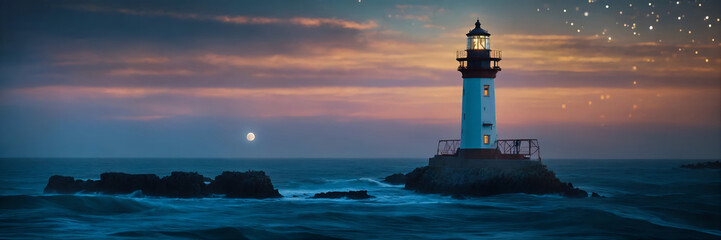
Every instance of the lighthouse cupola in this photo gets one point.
(478, 60)
(478, 65)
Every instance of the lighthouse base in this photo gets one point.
(482, 158)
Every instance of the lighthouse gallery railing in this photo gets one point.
(492, 54)
(527, 148)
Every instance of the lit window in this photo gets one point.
(486, 139)
(485, 90)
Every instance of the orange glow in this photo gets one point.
(437, 105)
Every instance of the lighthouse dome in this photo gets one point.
(478, 31)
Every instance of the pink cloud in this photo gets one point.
(138, 118)
(303, 21)
(140, 72)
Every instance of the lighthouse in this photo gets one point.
(479, 145)
(478, 65)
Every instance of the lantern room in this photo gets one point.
(479, 38)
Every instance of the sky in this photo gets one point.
(354, 79)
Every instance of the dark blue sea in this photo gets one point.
(653, 199)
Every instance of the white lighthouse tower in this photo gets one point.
(479, 146)
(478, 65)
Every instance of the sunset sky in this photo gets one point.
(589, 79)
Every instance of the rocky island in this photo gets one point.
(250, 184)
(486, 181)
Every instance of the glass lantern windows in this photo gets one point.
(479, 43)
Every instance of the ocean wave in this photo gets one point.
(77, 203)
(223, 233)
(379, 183)
(647, 216)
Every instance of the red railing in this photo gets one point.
(448, 147)
(528, 148)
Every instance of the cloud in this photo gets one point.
(427, 105)
(593, 54)
(413, 17)
(138, 118)
(140, 72)
(208, 52)
(302, 21)
(434, 26)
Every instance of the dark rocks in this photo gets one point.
(182, 185)
(704, 165)
(356, 195)
(575, 193)
(63, 184)
(123, 183)
(476, 182)
(396, 179)
(596, 195)
(251, 184)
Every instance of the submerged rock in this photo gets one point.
(476, 182)
(396, 179)
(704, 165)
(596, 195)
(251, 184)
(350, 195)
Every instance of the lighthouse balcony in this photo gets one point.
(480, 61)
(464, 66)
(465, 55)
(505, 149)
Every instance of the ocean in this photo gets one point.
(653, 199)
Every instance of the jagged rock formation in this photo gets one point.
(250, 184)
(704, 165)
(476, 182)
(396, 179)
(356, 195)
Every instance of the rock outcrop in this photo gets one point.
(476, 182)
(356, 195)
(396, 179)
(251, 184)
(703, 165)
(63, 184)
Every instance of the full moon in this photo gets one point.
(250, 136)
